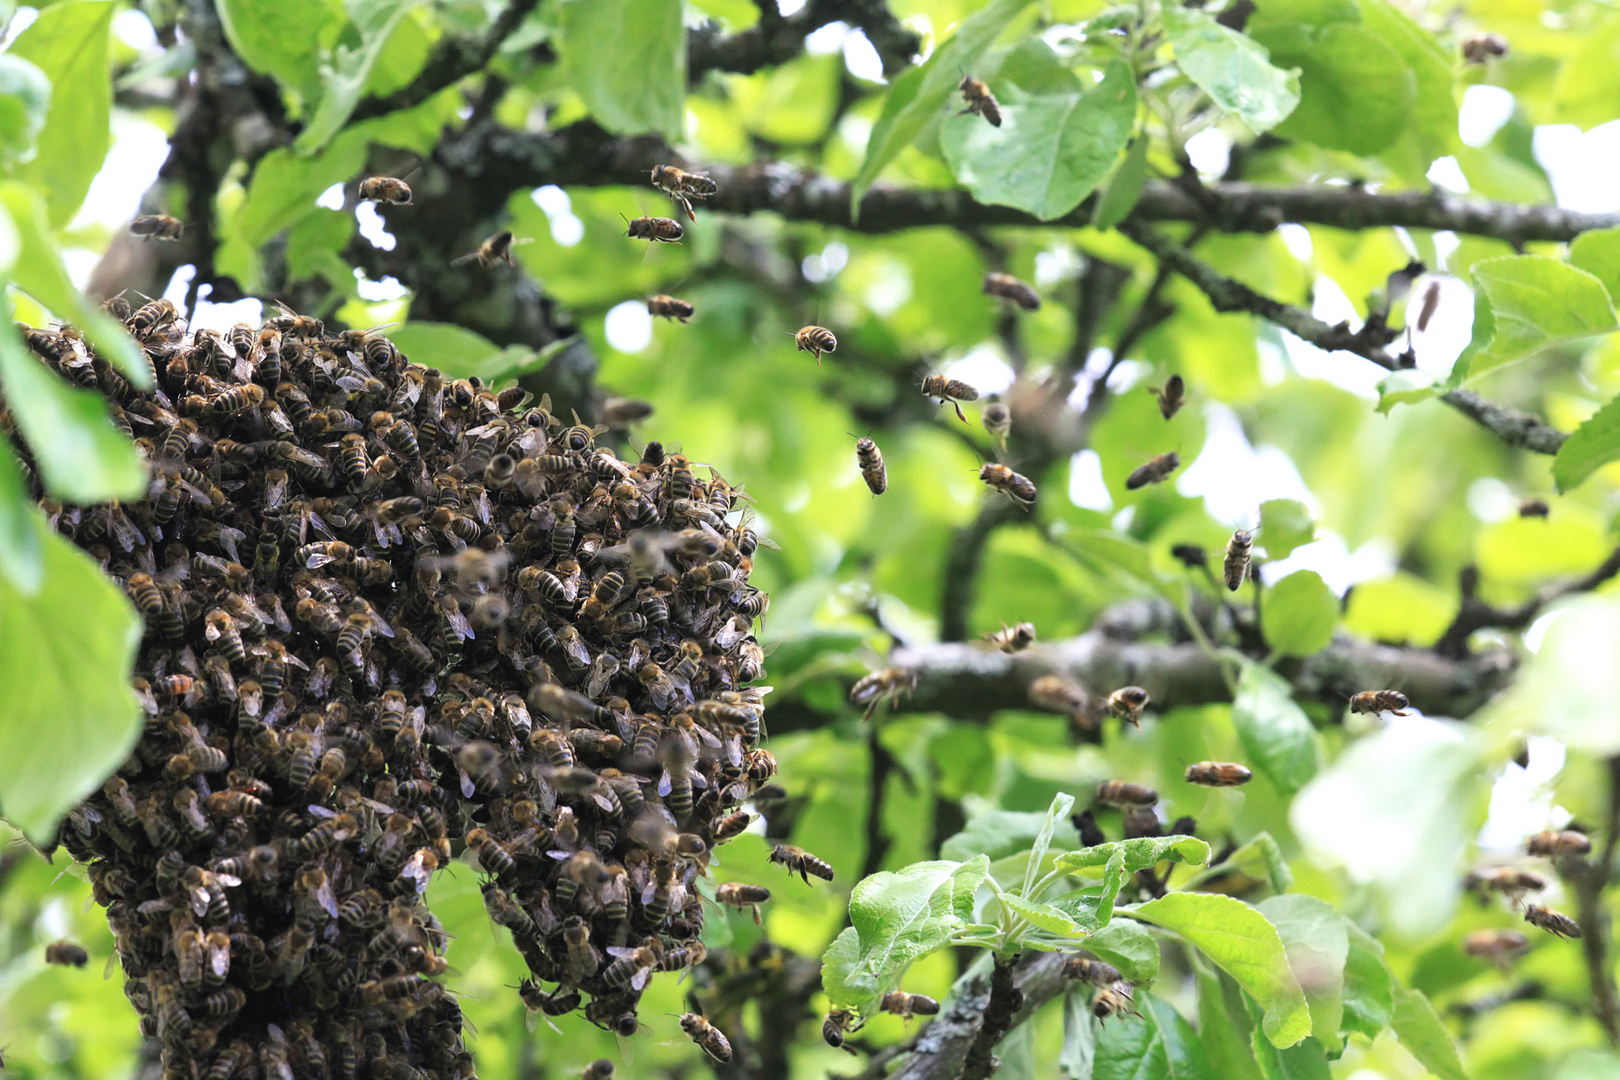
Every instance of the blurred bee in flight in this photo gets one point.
(980, 101)
(497, 249)
(157, 227)
(386, 189)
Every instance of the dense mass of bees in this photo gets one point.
(388, 615)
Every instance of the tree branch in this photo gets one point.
(1589, 881)
(1005, 1001)
(1475, 614)
(1513, 426)
(453, 59)
(776, 40)
(974, 682)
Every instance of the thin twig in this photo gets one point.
(1589, 881)
(453, 59)
(1475, 614)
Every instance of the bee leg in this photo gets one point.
(960, 415)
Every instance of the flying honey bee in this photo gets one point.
(1509, 881)
(1236, 566)
(1016, 486)
(1010, 288)
(1172, 396)
(1011, 639)
(906, 1005)
(737, 894)
(707, 1036)
(980, 101)
(157, 227)
(1154, 471)
(1500, 947)
(815, 340)
(1431, 303)
(870, 459)
(1085, 969)
(659, 230)
(1124, 793)
(496, 249)
(886, 683)
(1538, 508)
(683, 187)
(66, 953)
(801, 862)
(1554, 922)
(669, 307)
(385, 189)
(954, 391)
(1565, 842)
(834, 1025)
(1480, 48)
(1218, 774)
(1058, 694)
(1112, 1000)
(997, 420)
(1378, 701)
(1127, 704)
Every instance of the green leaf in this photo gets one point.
(1232, 69)
(1246, 946)
(68, 717)
(1285, 524)
(1432, 120)
(1421, 1032)
(1276, 734)
(1124, 188)
(1317, 944)
(258, 33)
(1369, 988)
(1224, 1029)
(39, 272)
(68, 42)
(1560, 692)
(1056, 813)
(1079, 1037)
(1300, 614)
(1536, 302)
(1050, 151)
(1042, 916)
(1157, 1044)
(1261, 857)
(21, 554)
(1408, 387)
(25, 99)
(627, 59)
(460, 353)
(1354, 90)
(999, 833)
(342, 86)
(1129, 947)
(917, 96)
(847, 987)
(82, 457)
(905, 914)
(1589, 447)
(1306, 1061)
(1139, 854)
(1396, 810)
(1598, 253)
(285, 186)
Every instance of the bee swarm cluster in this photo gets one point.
(388, 614)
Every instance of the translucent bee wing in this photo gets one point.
(664, 785)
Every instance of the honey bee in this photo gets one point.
(1510, 881)
(1017, 487)
(1500, 947)
(151, 317)
(801, 862)
(890, 683)
(658, 230)
(1534, 508)
(492, 856)
(1431, 304)
(631, 968)
(815, 340)
(707, 1036)
(1218, 774)
(1480, 48)
(1058, 694)
(980, 101)
(1112, 1000)
(1123, 793)
(1154, 471)
(1377, 701)
(621, 412)
(1566, 842)
(870, 459)
(385, 189)
(496, 249)
(1010, 288)
(1554, 922)
(669, 307)
(683, 186)
(1085, 969)
(600, 1069)
(954, 391)
(1172, 396)
(66, 953)
(1236, 566)
(1011, 639)
(1127, 704)
(238, 399)
(740, 895)
(580, 955)
(906, 1005)
(157, 227)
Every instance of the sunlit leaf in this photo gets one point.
(341, 87)
(902, 915)
(68, 717)
(1042, 916)
(1244, 944)
(999, 833)
(1276, 733)
(1129, 947)
(1155, 1043)
(918, 95)
(1050, 151)
(1232, 69)
(1535, 302)
(1285, 524)
(1300, 614)
(1139, 854)
(845, 985)
(1056, 814)
(627, 59)
(1354, 89)
(21, 552)
(1124, 188)
(1560, 692)
(68, 42)
(1369, 988)
(1080, 1031)
(25, 97)
(1598, 253)
(1421, 1032)
(1317, 943)
(1589, 447)
(259, 34)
